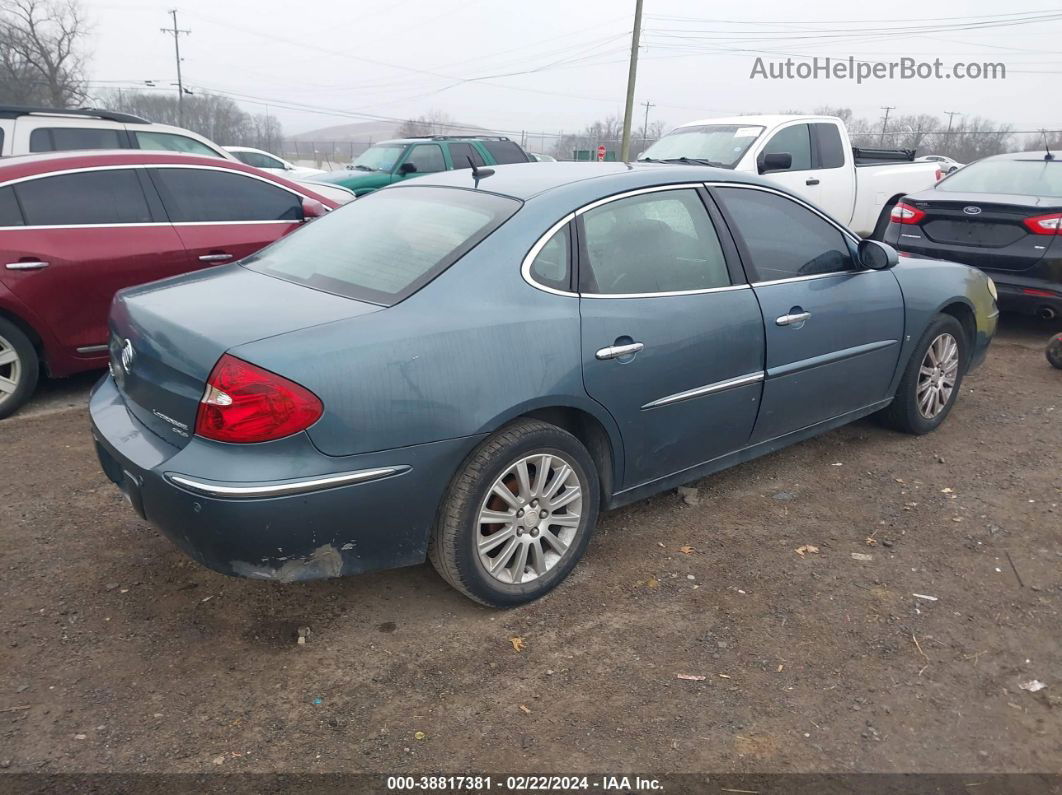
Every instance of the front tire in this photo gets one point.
(517, 516)
(19, 368)
(930, 384)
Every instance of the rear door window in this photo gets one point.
(505, 152)
(169, 142)
(387, 245)
(10, 214)
(200, 194)
(460, 154)
(795, 141)
(108, 197)
(657, 242)
(828, 145)
(62, 139)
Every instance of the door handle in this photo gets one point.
(214, 257)
(811, 181)
(793, 319)
(26, 266)
(616, 351)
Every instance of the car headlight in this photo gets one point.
(992, 288)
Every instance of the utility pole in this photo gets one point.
(645, 129)
(632, 74)
(950, 114)
(176, 32)
(885, 121)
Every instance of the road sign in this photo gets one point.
(601, 153)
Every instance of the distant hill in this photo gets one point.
(363, 132)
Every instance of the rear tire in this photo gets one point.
(19, 368)
(1054, 351)
(931, 382)
(517, 516)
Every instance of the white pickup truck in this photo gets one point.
(811, 156)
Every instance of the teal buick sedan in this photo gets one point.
(467, 367)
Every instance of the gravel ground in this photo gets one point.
(899, 643)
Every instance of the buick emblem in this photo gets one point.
(128, 354)
(972, 210)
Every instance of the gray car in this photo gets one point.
(468, 367)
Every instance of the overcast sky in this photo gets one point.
(402, 58)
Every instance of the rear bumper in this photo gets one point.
(1033, 297)
(354, 514)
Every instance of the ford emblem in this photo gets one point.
(972, 210)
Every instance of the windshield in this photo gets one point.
(379, 158)
(1024, 177)
(721, 143)
(386, 246)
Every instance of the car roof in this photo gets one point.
(428, 139)
(1036, 154)
(527, 180)
(18, 166)
(766, 120)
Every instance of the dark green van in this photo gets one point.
(391, 161)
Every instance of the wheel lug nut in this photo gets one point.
(520, 512)
(544, 514)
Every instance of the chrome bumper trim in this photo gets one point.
(250, 490)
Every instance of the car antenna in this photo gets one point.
(1049, 155)
(479, 173)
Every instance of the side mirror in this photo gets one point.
(877, 256)
(775, 161)
(311, 208)
(407, 168)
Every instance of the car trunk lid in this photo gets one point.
(166, 337)
(989, 227)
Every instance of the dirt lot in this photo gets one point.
(118, 654)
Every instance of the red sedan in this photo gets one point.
(76, 227)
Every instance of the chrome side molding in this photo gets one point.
(707, 389)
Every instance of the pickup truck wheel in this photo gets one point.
(930, 384)
(517, 516)
(18, 368)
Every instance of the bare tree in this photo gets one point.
(41, 60)
(434, 122)
(218, 118)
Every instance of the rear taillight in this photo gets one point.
(244, 403)
(906, 214)
(940, 174)
(1044, 224)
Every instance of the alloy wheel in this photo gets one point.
(937, 375)
(10, 369)
(529, 518)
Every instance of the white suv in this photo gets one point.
(24, 130)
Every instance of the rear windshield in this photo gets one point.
(386, 246)
(1024, 177)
